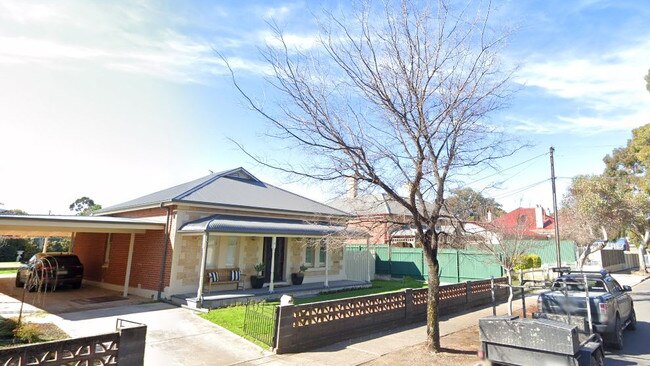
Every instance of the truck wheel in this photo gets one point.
(617, 336)
(632, 325)
(597, 359)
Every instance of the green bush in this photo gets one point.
(7, 327)
(528, 261)
(28, 333)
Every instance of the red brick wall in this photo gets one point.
(90, 248)
(145, 267)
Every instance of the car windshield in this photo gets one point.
(574, 284)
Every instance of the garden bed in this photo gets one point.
(12, 335)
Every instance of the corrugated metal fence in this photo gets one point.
(456, 265)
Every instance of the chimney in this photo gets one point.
(353, 187)
(489, 216)
(539, 217)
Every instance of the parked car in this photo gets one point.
(612, 309)
(51, 270)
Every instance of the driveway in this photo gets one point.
(64, 299)
(175, 336)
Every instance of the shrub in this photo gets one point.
(28, 333)
(7, 327)
(527, 261)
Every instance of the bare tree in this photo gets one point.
(506, 246)
(393, 95)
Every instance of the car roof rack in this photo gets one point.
(567, 270)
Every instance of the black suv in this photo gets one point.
(50, 270)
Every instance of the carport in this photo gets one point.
(69, 226)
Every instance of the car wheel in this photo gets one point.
(632, 325)
(617, 336)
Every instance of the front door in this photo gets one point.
(278, 276)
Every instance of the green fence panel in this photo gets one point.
(382, 264)
(477, 265)
(407, 262)
(546, 249)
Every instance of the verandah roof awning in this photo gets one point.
(265, 226)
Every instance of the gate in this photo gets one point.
(260, 320)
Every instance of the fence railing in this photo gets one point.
(260, 320)
(302, 327)
(125, 347)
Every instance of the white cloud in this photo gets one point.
(607, 90)
(291, 40)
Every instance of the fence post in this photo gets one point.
(494, 306)
(457, 266)
(408, 305)
(468, 288)
(132, 344)
(285, 340)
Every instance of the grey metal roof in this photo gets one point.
(235, 188)
(264, 225)
(369, 204)
(84, 219)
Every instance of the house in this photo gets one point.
(164, 243)
(530, 223)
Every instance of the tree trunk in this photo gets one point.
(642, 247)
(511, 294)
(433, 325)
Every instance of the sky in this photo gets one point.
(114, 100)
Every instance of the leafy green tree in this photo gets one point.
(630, 165)
(9, 248)
(467, 204)
(647, 80)
(84, 206)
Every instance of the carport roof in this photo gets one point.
(265, 226)
(63, 225)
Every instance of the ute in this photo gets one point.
(610, 306)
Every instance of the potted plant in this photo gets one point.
(296, 278)
(257, 280)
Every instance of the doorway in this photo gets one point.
(280, 249)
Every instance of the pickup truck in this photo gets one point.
(612, 309)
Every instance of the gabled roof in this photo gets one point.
(526, 216)
(235, 188)
(370, 204)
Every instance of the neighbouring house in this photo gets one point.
(163, 243)
(384, 219)
(530, 223)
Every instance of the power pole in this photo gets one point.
(557, 223)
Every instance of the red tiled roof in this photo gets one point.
(526, 216)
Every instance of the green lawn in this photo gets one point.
(232, 318)
(7, 271)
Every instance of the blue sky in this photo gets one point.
(117, 99)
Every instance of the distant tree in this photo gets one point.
(647, 80)
(467, 204)
(9, 248)
(630, 165)
(84, 206)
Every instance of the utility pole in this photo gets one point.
(557, 223)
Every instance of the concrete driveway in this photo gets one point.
(64, 299)
(175, 336)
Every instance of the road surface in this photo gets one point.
(636, 350)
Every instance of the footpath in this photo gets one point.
(364, 349)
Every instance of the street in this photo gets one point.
(635, 349)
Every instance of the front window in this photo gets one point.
(211, 260)
(231, 251)
(315, 254)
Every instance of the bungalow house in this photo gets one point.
(168, 242)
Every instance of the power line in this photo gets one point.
(508, 168)
(521, 189)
